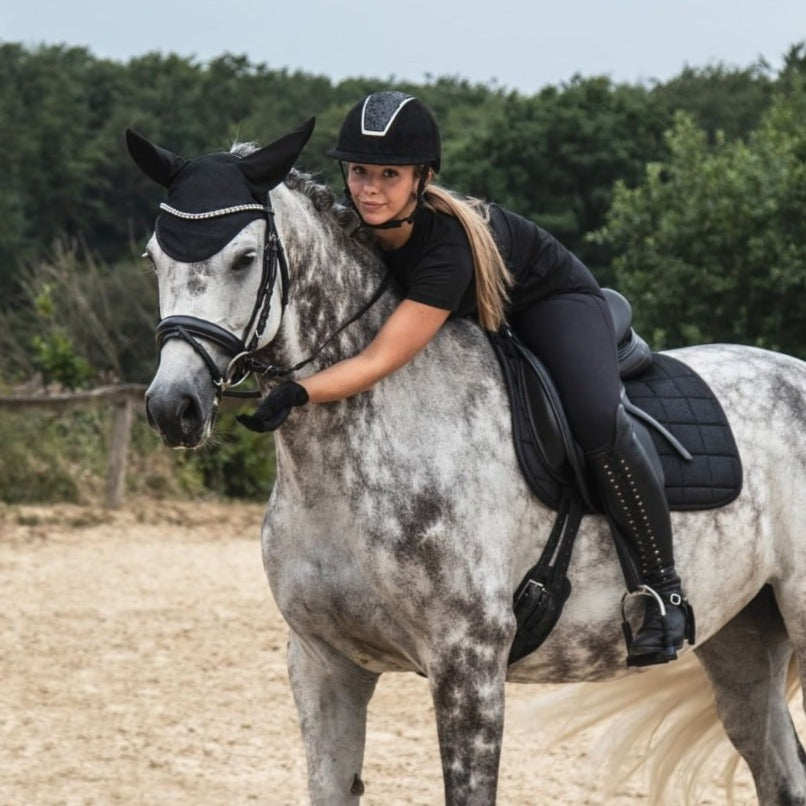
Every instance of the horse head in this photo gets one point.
(221, 275)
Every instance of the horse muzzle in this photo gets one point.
(182, 415)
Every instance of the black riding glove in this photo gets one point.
(274, 410)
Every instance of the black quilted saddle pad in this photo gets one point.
(679, 398)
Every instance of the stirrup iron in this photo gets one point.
(669, 651)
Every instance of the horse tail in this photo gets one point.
(662, 723)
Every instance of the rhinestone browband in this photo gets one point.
(238, 208)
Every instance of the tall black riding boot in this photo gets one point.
(635, 503)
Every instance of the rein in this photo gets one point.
(279, 372)
(243, 361)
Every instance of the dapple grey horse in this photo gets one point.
(400, 524)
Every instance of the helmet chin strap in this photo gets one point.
(393, 223)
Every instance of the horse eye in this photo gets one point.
(147, 256)
(244, 261)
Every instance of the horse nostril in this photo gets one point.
(180, 413)
(178, 419)
(188, 413)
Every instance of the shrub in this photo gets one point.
(51, 458)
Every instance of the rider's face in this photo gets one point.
(383, 192)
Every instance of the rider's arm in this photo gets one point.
(407, 331)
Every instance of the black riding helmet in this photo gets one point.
(389, 128)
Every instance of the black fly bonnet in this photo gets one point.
(210, 200)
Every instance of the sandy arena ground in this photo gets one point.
(142, 661)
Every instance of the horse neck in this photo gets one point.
(331, 277)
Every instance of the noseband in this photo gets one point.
(243, 361)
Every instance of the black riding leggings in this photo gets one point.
(572, 334)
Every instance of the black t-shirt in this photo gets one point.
(435, 265)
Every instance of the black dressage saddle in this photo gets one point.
(678, 419)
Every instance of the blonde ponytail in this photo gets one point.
(493, 278)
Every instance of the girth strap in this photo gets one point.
(541, 595)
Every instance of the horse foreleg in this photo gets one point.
(468, 694)
(747, 662)
(331, 694)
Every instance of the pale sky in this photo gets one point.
(517, 44)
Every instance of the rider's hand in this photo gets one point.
(274, 410)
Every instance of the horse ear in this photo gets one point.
(268, 166)
(154, 161)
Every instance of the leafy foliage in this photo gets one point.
(719, 99)
(554, 158)
(80, 322)
(712, 244)
(688, 195)
(56, 358)
(49, 458)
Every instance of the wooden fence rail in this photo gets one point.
(124, 397)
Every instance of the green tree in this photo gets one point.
(554, 157)
(712, 244)
(721, 99)
(59, 177)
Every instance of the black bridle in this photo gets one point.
(242, 353)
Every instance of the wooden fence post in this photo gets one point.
(118, 452)
(122, 396)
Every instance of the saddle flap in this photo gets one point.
(544, 418)
(549, 457)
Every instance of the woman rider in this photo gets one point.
(451, 260)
